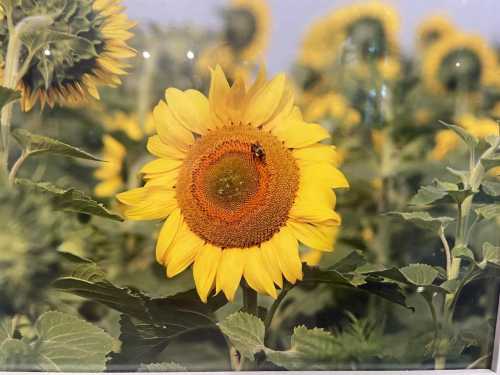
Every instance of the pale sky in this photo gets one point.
(291, 18)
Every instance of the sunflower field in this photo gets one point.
(169, 205)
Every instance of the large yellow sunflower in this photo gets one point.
(68, 70)
(433, 29)
(247, 28)
(241, 179)
(459, 62)
(369, 30)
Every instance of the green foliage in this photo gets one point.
(419, 274)
(246, 333)
(63, 343)
(68, 199)
(425, 220)
(7, 96)
(39, 144)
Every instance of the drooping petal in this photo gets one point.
(184, 251)
(256, 273)
(323, 172)
(158, 204)
(205, 269)
(162, 150)
(161, 166)
(319, 236)
(167, 234)
(270, 256)
(287, 252)
(230, 272)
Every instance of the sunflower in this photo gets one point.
(447, 140)
(68, 70)
(459, 62)
(247, 27)
(433, 29)
(332, 105)
(224, 56)
(241, 179)
(112, 171)
(129, 124)
(369, 30)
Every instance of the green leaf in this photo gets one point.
(7, 96)
(491, 188)
(425, 220)
(490, 162)
(489, 211)
(69, 199)
(38, 144)
(6, 329)
(491, 254)
(246, 333)
(462, 251)
(162, 367)
(67, 343)
(420, 274)
(427, 195)
(17, 355)
(468, 138)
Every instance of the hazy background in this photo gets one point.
(290, 18)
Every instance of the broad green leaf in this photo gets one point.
(67, 343)
(491, 162)
(463, 175)
(468, 138)
(427, 195)
(6, 329)
(425, 220)
(246, 333)
(491, 254)
(69, 199)
(461, 251)
(38, 144)
(7, 96)
(491, 188)
(420, 274)
(451, 285)
(162, 367)
(17, 355)
(489, 211)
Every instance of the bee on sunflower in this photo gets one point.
(247, 27)
(241, 179)
(459, 63)
(432, 29)
(83, 47)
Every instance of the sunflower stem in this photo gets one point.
(11, 72)
(250, 305)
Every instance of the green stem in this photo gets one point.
(15, 168)
(145, 85)
(272, 310)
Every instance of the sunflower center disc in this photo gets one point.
(236, 186)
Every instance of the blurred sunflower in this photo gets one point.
(112, 172)
(332, 105)
(369, 31)
(459, 62)
(224, 56)
(433, 29)
(447, 140)
(129, 124)
(241, 179)
(247, 27)
(86, 47)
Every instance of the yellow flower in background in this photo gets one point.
(224, 56)
(129, 124)
(389, 68)
(459, 62)
(69, 70)
(241, 179)
(332, 105)
(433, 29)
(248, 24)
(369, 30)
(112, 170)
(447, 141)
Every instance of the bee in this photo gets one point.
(258, 152)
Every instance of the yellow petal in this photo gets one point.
(230, 272)
(297, 133)
(133, 196)
(256, 273)
(261, 107)
(310, 212)
(270, 256)
(311, 257)
(167, 234)
(217, 97)
(160, 166)
(170, 130)
(316, 153)
(108, 187)
(158, 204)
(113, 147)
(167, 180)
(190, 108)
(287, 252)
(318, 236)
(205, 269)
(162, 150)
(184, 250)
(323, 172)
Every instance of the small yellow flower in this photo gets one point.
(447, 141)
(247, 28)
(57, 75)
(241, 179)
(459, 62)
(111, 172)
(129, 124)
(433, 29)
